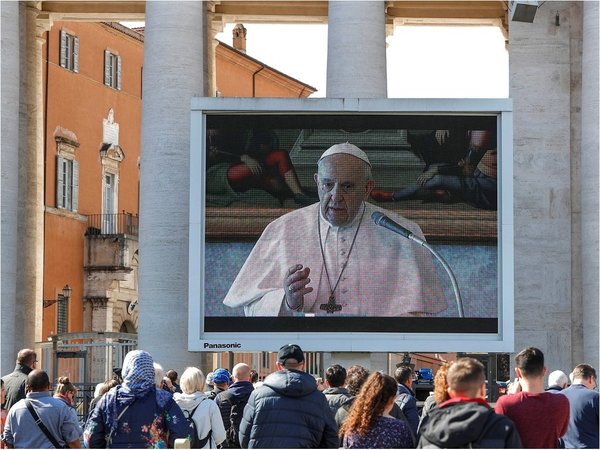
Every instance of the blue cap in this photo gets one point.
(221, 376)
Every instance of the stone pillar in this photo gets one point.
(10, 181)
(30, 243)
(356, 67)
(590, 187)
(174, 62)
(356, 58)
(540, 63)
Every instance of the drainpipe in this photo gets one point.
(254, 80)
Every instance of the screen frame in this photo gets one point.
(501, 341)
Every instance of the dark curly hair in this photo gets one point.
(355, 378)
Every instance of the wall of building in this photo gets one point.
(545, 74)
(78, 103)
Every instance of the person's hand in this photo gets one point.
(252, 164)
(441, 136)
(295, 285)
(426, 176)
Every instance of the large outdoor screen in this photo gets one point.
(269, 222)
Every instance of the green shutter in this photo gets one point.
(118, 73)
(75, 54)
(75, 185)
(63, 49)
(107, 67)
(59, 182)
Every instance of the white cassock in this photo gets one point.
(386, 274)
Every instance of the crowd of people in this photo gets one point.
(142, 407)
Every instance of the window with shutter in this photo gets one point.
(69, 51)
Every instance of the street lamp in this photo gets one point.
(67, 291)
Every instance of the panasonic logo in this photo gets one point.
(230, 345)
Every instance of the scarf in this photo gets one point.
(138, 381)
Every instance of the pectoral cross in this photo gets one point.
(331, 306)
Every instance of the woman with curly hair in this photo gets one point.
(440, 390)
(369, 424)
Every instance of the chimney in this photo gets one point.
(239, 38)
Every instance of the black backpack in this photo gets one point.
(235, 416)
(195, 441)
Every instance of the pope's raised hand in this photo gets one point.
(295, 285)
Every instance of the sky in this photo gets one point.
(423, 61)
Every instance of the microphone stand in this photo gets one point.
(443, 262)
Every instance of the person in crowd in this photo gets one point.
(209, 383)
(170, 381)
(557, 381)
(288, 411)
(220, 379)
(66, 391)
(355, 378)
(466, 420)
(3, 416)
(582, 431)
(369, 424)
(347, 265)
(541, 418)
(159, 375)
(14, 383)
(406, 399)
(99, 393)
(320, 384)
(58, 423)
(135, 414)
(336, 393)
(440, 391)
(232, 402)
(195, 404)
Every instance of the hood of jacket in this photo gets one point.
(188, 402)
(240, 390)
(291, 383)
(456, 424)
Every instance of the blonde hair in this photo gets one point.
(64, 386)
(192, 380)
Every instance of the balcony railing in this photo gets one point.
(120, 223)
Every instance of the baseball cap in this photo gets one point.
(290, 351)
(221, 376)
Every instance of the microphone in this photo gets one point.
(384, 221)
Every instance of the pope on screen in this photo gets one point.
(331, 259)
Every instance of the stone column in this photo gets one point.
(174, 62)
(356, 67)
(30, 241)
(540, 63)
(356, 58)
(590, 187)
(10, 181)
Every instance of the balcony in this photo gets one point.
(113, 224)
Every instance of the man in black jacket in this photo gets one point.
(336, 393)
(288, 411)
(232, 402)
(466, 420)
(14, 383)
